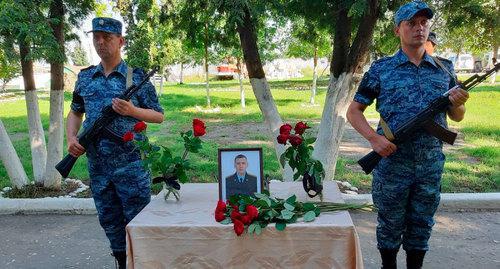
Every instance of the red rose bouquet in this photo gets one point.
(255, 213)
(298, 156)
(169, 170)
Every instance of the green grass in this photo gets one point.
(472, 168)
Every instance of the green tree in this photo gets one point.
(39, 29)
(470, 25)
(352, 23)
(202, 25)
(9, 62)
(309, 40)
(151, 37)
(79, 56)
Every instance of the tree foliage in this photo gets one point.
(79, 56)
(306, 37)
(470, 25)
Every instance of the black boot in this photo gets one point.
(121, 259)
(414, 258)
(389, 258)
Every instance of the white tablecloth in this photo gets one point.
(184, 234)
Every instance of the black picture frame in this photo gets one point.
(227, 172)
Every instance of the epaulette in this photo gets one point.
(87, 68)
(442, 59)
(139, 71)
(384, 59)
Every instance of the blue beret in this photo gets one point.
(432, 38)
(408, 10)
(109, 25)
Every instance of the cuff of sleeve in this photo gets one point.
(77, 108)
(158, 108)
(362, 99)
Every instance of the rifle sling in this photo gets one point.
(440, 64)
(387, 131)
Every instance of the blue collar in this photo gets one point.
(121, 68)
(401, 58)
(240, 178)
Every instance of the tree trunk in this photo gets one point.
(56, 128)
(162, 73)
(181, 76)
(346, 63)
(339, 94)
(206, 64)
(240, 78)
(493, 77)
(315, 75)
(10, 160)
(260, 86)
(37, 137)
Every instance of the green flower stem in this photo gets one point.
(185, 154)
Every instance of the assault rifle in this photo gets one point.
(91, 134)
(425, 120)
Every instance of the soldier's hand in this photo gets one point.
(382, 145)
(458, 97)
(123, 107)
(74, 148)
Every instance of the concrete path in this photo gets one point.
(460, 240)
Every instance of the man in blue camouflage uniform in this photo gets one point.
(406, 182)
(120, 185)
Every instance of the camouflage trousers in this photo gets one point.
(406, 190)
(120, 188)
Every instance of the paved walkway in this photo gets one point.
(460, 240)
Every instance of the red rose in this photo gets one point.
(295, 140)
(221, 207)
(282, 138)
(198, 127)
(220, 216)
(128, 136)
(246, 219)
(198, 130)
(235, 215)
(140, 126)
(252, 211)
(301, 127)
(198, 122)
(285, 129)
(239, 227)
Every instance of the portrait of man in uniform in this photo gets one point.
(240, 172)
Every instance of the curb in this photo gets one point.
(49, 205)
(449, 201)
(86, 206)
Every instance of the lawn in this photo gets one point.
(472, 167)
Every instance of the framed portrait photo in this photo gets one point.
(240, 172)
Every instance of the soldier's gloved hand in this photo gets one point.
(123, 107)
(382, 145)
(458, 97)
(74, 148)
